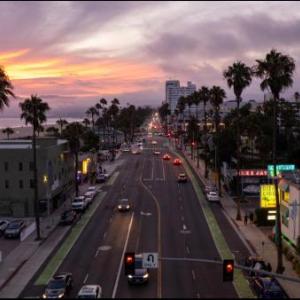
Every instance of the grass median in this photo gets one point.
(67, 245)
(240, 283)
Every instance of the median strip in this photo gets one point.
(113, 178)
(240, 283)
(63, 251)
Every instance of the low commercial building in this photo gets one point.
(55, 165)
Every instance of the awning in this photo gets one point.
(283, 185)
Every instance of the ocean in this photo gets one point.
(17, 122)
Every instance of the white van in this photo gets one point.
(90, 291)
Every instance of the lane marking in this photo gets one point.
(198, 295)
(86, 278)
(152, 174)
(193, 275)
(182, 218)
(181, 207)
(163, 167)
(184, 227)
(121, 261)
(104, 235)
(187, 249)
(97, 252)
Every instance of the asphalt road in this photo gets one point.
(166, 217)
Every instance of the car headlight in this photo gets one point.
(146, 275)
(119, 206)
(44, 296)
(129, 276)
(127, 206)
(60, 295)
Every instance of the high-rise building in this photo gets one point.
(174, 91)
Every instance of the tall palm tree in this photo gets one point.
(297, 96)
(204, 94)
(238, 77)
(181, 104)
(93, 112)
(73, 132)
(276, 71)
(8, 131)
(61, 123)
(217, 96)
(34, 113)
(103, 103)
(6, 88)
(196, 96)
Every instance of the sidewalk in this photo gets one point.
(251, 234)
(19, 266)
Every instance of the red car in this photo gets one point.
(177, 162)
(166, 157)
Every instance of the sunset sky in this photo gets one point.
(74, 53)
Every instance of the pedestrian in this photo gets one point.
(251, 216)
(245, 219)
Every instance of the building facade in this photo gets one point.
(55, 165)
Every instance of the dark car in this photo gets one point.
(14, 229)
(59, 286)
(67, 217)
(100, 178)
(257, 263)
(141, 275)
(177, 162)
(268, 288)
(182, 177)
(124, 205)
(3, 225)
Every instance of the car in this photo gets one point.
(3, 225)
(212, 196)
(59, 286)
(126, 150)
(267, 287)
(257, 263)
(176, 162)
(154, 142)
(141, 275)
(92, 189)
(67, 217)
(100, 178)
(90, 291)
(156, 152)
(210, 188)
(124, 205)
(14, 229)
(90, 194)
(79, 203)
(166, 157)
(136, 151)
(182, 177)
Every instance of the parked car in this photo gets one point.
(93, 189)
(59, 286)
(210, 188)
(124, 205)
(90, 194)
(67, 217)
(267, 288)
(213, 196)
(126, 150)
(14, 229)
(3, 225)
(100, 178)
(182, 177)
(177, 162)
(90, 291)
(79, 203)
(257, 263)
(141, 275)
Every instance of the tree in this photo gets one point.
(52, 131)
(73, 132)
(93, 112)
(86, 122)
(217, 96)
(8, 131)
(34, 113)
(238, 77)
(276, 71)
(61, 123)
(6, 88)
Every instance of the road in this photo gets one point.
(166, 218)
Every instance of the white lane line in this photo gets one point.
(187, 249)
(193, 275)
(198, 295)
(152, 174)
(104, 235)
(181, 207)
(85, 278)
(182, 218)
(121, 261)
(184, 227)
(97, 252)
(163, 167)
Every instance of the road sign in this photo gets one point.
(150, 260)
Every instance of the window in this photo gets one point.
(21, 184)
(6, 184)
(31, 183)
(6, 166)
(20, 166)
(31, 166)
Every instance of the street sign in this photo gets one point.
(150, 260)
(280, 168)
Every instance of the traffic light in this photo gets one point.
(228, 269)
(129, 260)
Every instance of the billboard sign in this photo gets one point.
(255, 172)
(280, 168)
(267, 196)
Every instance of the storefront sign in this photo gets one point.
(279, 169)
(255, 172)
(267, 196)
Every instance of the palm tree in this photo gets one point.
(52, 131)
(34, 113)
(181, 104)
(5, 89)
(8, 131)
(86, 122)
(217, 96)
(238, 76)
(61, 123)
(276, 71)
(204, 95)
(103, 103)
(92, 111)
(297, 96)
(73, 132)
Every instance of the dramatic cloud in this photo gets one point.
(73, 53)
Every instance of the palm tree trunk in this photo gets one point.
(280, 268)
(76, 170)
(35, 179)
(205, 136)
(238, 184)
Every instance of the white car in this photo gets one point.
(90, 194)
(90, 291)
(3, 225)
(212, 196)
(79, 203)
(125, 150)
(93, 188)
(154, 142)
